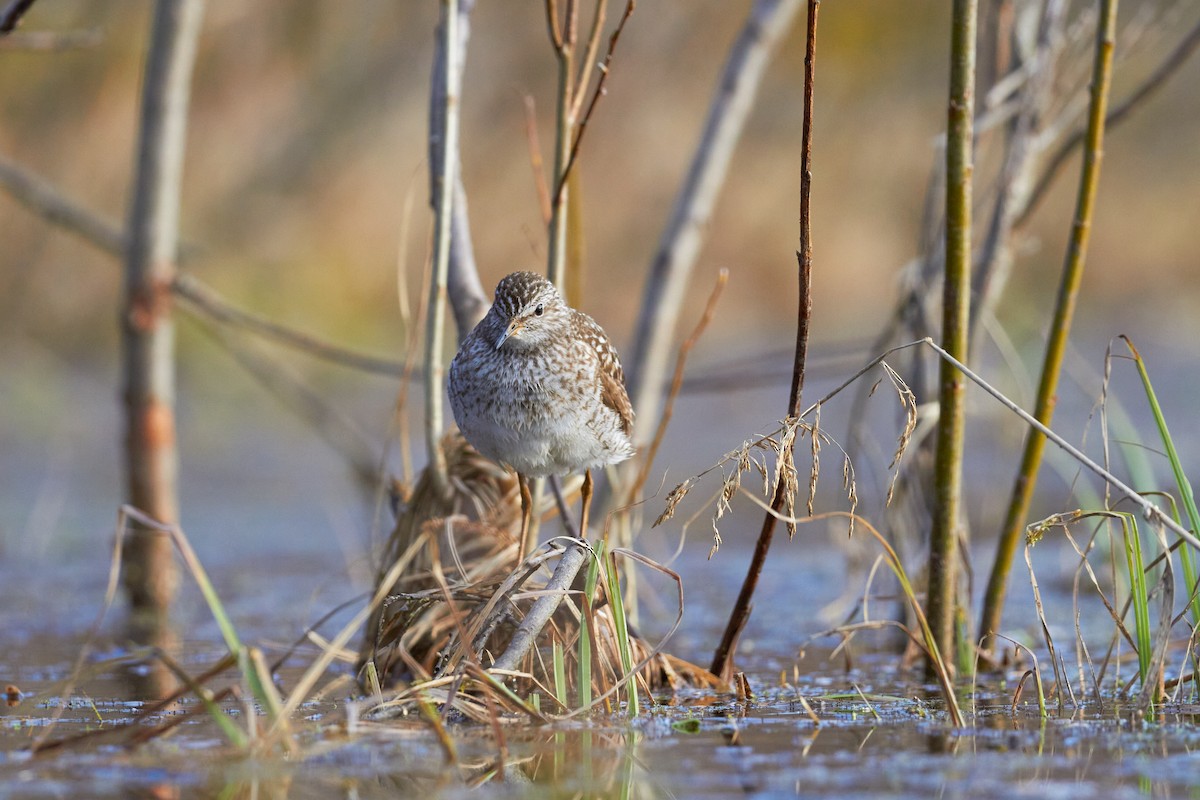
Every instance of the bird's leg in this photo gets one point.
(585, 495)
(526, 513)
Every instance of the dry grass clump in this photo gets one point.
(455, 608)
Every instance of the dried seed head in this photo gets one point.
(909, 401)
(676, 494)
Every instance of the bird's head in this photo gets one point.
(528, 310)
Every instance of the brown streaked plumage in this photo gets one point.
(538, 386)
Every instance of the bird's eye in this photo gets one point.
(537, 312)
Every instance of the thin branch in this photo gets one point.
(50, 41)
(535, 159)
(556, 37)
(589, 55)
(206, 302)
(331, 425)
(1169, 66)
(569, 564)
(722, 664)
(1150, 510)
(564, 40)
(43, 199)
(599, 92)
(46, 201)
(685, 349)
(446, 174)
(463, 288)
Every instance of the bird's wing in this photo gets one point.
(609, 372)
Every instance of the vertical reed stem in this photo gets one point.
(445, 183)
(148, 332)
(564, 47)
(723, 657)
(1060, 329)
(947, 518)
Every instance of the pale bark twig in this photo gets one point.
(50, 41)
(147, 327)
(685, 350)
(43, 199)
(206, 302)
(671, 270)
(563, 36)
(569, 564)
(1148, 88)
(444, 173)
(56, 208)
(331, 425)
(465, 292)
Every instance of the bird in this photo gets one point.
(538, 386)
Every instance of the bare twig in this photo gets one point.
(207, 302)
(463, 288)
(1169, 66)
(563, 36)
(569, 564)
(445, 173)
(670, 273)
(722, 664)
(535, 159)
(585, 63)
(43, 199)
(46, 201)
(600, 91)
(1029, 102)
(331, 425)
(50, 41)
(1150, 510)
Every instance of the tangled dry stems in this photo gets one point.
(456, 607)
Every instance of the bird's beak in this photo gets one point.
(513, 329)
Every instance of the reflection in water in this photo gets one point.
(150, 680)
(591, 762)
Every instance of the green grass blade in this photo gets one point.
(1186, 556)
(560, 675)
(236, 736)
(228, 632)
(1138, 592)
(585, 630)
(617, 605)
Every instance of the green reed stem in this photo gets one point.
(617, 605)
(1138, 593)
(586, 627)
(1064, 312)
(560, 675)
(947, 514)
